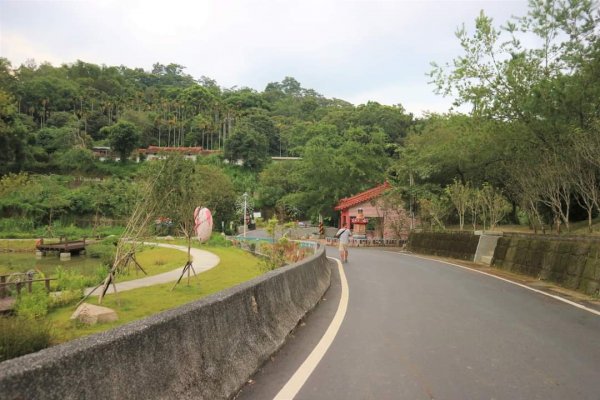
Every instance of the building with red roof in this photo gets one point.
(156, 152)
(385, 218)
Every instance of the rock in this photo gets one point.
(169, 238)
(90, 314)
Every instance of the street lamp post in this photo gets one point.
(245, 195)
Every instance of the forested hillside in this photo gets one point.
(528, 152)
(52, 116)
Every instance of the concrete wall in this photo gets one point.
(203, 350)
(572, 263)
(486, 248)
(445, 244)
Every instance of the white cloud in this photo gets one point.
(19, 48)
(354, 50)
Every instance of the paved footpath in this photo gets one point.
(202, 261)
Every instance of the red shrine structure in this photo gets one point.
(371, 217)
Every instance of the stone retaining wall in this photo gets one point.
(203, 350)
(574, 264)
(445, 244)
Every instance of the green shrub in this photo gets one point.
(21, 228)
(104, 250)
(104, 231)
(274, 256)
(218, 240)
(69, 279)
(281, 253)
(20, 336)
(65, 297)
(100, 274)
(16, 225)
(71, 232)
(32, 305)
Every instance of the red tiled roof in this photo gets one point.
(362, 197)
(184, 150)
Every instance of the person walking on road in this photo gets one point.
(344, 235)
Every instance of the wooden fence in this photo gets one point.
(20, 281)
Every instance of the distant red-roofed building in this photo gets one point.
(387, 216)
(192, 153)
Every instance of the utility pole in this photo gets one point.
(411, 182)
(245, 195)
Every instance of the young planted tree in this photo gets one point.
(495, 204)
(392, 210)
(143, 212)
(474, 206)
(585, 183)
(178, 191)
(555, 185)
(435, 210)
(459, 194)
(530, 204)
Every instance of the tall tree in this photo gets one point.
(123, 138)
(14, 152)
(249, 146)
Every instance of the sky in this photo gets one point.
(358, 51)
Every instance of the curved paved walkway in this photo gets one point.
(202, 261)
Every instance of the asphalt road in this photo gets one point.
(421, 329)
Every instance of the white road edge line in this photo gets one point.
(572, 303)
(293, 386)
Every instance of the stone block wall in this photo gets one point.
(571, 263)
(203, 350)
(445, 244)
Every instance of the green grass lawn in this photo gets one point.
(236, 266)
(18, 245)
(154, 260)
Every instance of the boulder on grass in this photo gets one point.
(91, 314)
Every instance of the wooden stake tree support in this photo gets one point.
(187, 227)
(119, 267)
(137, 225)
(187, 268)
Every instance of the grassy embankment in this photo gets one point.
(236, 266)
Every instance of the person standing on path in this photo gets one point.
(344, 236)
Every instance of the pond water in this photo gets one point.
(23, 262)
